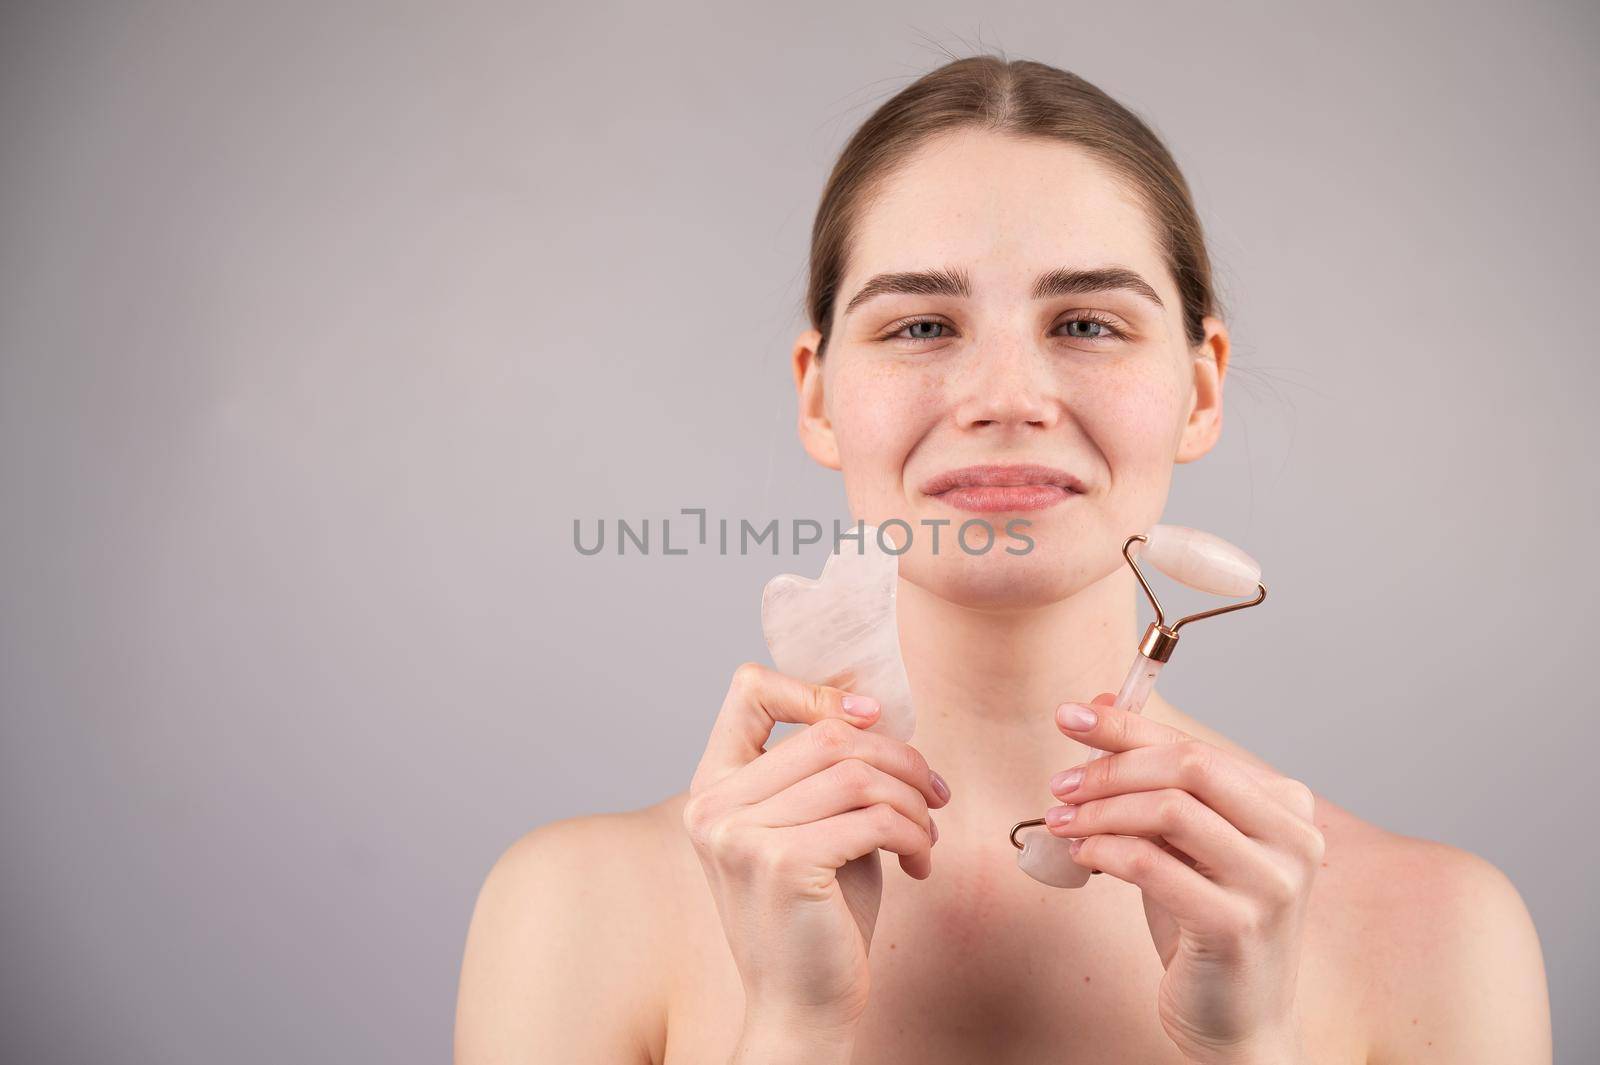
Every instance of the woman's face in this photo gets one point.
(997, 356)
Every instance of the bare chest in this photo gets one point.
(984, 965)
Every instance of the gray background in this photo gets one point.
(322, 323)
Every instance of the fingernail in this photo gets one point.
(940, 786)
(860, 705)
(933, 828)
(1059, 815)
(1066, 780)
(1075, 716)
(1073, 846)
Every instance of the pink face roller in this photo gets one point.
(1191, 557)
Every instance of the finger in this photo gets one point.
(1190, 897)
(848, 785)
(758, 698)
(1221, 852)
(1295, 795)
(1175, 852)
(1111, 728)
(816, 748)
(1296, 798)
(838, 839)
(1226, 784)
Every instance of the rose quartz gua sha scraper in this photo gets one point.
(840, 629)
(1190, 557)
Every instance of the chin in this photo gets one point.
(1000, 581)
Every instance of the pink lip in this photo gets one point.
(993, 488)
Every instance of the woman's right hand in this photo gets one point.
(789, 839)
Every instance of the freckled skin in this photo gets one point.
(1003, 381)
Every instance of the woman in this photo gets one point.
(1012, 316)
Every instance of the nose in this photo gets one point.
(1006, 385)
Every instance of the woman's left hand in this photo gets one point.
(1224, 853)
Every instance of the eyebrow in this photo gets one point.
(1049, 285)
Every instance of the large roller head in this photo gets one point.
(1198, 559)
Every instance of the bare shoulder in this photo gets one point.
(571, 915)
(1444, 948)
(1432, 945)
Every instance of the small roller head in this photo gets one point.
(1048, 859)
(1198, 559)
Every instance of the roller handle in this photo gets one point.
(1136, 688)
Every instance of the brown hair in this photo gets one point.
(1023, 98)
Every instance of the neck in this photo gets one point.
(986, 685)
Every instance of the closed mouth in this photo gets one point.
(1002, 476)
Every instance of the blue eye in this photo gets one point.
(913, 325)
(1107, 329)
(921, 329)
(1087, 322)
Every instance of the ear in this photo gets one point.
(1200, 432)
(816, 431)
